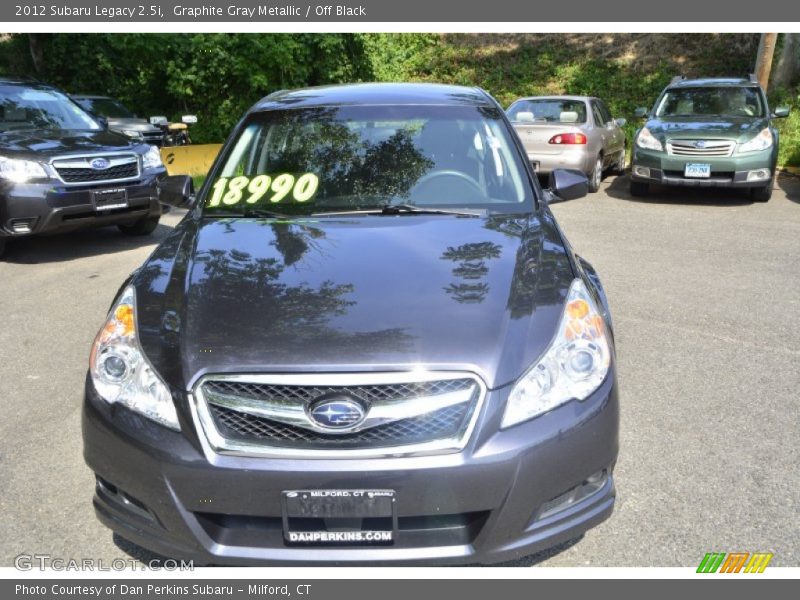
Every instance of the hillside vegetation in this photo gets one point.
(218, 76)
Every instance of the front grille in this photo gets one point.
(269, 412)
(155, 139)
(700, 148)
(438, 424)
(88, 175)
(370, 394)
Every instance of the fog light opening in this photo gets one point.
(758, 175)
(22, 226)
(641, 171)
(591, 485)
(112, 493)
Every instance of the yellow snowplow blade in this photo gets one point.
(194, 159)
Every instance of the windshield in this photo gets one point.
(329, 159)
(711, 101)
(548, 110)
(31, 108)
(105, 107)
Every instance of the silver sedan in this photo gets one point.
(572, 132)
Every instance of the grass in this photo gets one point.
(789, 128)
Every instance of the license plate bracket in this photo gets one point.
(339, 517)
(110, 199)
(697, 170)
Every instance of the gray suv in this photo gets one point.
(61, 169)
(367, 342)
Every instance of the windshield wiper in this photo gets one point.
(393, 209)
(396, 209)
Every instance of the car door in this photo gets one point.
(614, 139)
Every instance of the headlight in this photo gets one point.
(648, 141)
(120, 371)
(761, 142)
(20, 171)
(132, 133)
(152, 158)
(573, 366)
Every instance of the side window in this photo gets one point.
(604, 111)
(599, 121)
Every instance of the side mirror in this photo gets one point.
(640, 113)
(781, 112)
(621, 122)
(101, 120)
(189, 119)
(567, 184)
(176, 190)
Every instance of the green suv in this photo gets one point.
(710, 133)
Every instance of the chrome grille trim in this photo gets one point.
(711, 148)
(216, 444)
(83, 161)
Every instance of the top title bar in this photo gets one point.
(450, 11)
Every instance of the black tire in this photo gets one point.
(596, 176)
(144, 226)
(639, 188)
(761, 194)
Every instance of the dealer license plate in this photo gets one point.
(110, 199)
(697, 170)
(339, 517)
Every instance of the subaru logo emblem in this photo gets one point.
(99, 163)
(700, 144)
(336, 412)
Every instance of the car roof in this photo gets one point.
(714, 82)
(557, 97)
(375, 94)
(90, 97)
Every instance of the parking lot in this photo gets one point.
(705, 291)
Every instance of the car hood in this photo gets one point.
(367, 293)
(737, 128)
(46, 143)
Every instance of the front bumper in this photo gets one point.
(49, 207)
(729, 172)
(482, 505)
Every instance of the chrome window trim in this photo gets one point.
(215, 444)
(82, 162)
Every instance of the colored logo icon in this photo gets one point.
(734, 562)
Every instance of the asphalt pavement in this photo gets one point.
(705, 292)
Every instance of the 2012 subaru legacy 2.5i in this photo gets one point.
(368, 341)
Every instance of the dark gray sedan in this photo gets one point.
(367, 342)
(120, 119)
